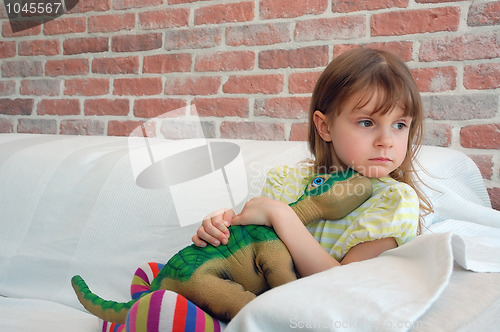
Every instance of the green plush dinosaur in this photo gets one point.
(221, 280)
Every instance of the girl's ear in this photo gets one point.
(322, 126)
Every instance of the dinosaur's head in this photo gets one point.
(321, 183)
(332, 196)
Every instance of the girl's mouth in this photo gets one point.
(380, 159)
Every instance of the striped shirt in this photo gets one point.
(391, 211)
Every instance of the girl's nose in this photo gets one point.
(384, 139)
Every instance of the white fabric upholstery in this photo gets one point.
(72, 205)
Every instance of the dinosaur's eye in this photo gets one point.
(316, 182)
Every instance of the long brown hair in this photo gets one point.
(361, 72)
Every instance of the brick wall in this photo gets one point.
(249, 67)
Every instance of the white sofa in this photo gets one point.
(99, 207)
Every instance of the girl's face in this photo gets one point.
(372, 144)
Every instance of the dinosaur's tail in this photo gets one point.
(110, 311)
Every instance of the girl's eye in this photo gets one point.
(399, 125)
(316, 182)
(365, 123)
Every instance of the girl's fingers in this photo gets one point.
(202, 235)
(227, 218)
(214, 228)
(198, 242)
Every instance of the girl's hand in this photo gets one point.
(213, 228)
(260, 211)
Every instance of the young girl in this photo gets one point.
(365, 114)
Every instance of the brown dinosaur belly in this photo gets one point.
(222, 287)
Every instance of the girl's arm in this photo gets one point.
(308, 255)
(213, 228)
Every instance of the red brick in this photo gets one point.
(37, 126)
(482, 76)
(435, 79)
(86, 87)
(82, 127)
(485, 136)
(172, 108)
(22, 68)
(303, 82)
(134, 43)
(222, 107)
(258, 34)
(21, 28)
(124, 128)
(253, 84)
(58, 107)
(481, 14)
(39, 47)
(485, 165)
(85, 45)
(66, 67)
(494, 197)
(225, 61)
(6, 126)
(253, 130)
(437, 134)
(174, 2)
(196, 38)
(7, 49)
(127, 4)
(41, 87)
(437, 1)
(306, 57)
(342, 6)
(91, 6)
(404, 22)
(7, 88)
(125, 65)
(348, 27)
(192, 85)
(224, 13)
(16, 106)
(283, 107)
(63, 25)
(111, 23)
(167, 63)
(299, 131)
(162, 19)
(151, 108)
(466, 47)
(460, 107)
(402, 49)
(118, 107)
(286, 8)
(137, 86)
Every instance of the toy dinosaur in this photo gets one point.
(221, 280)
